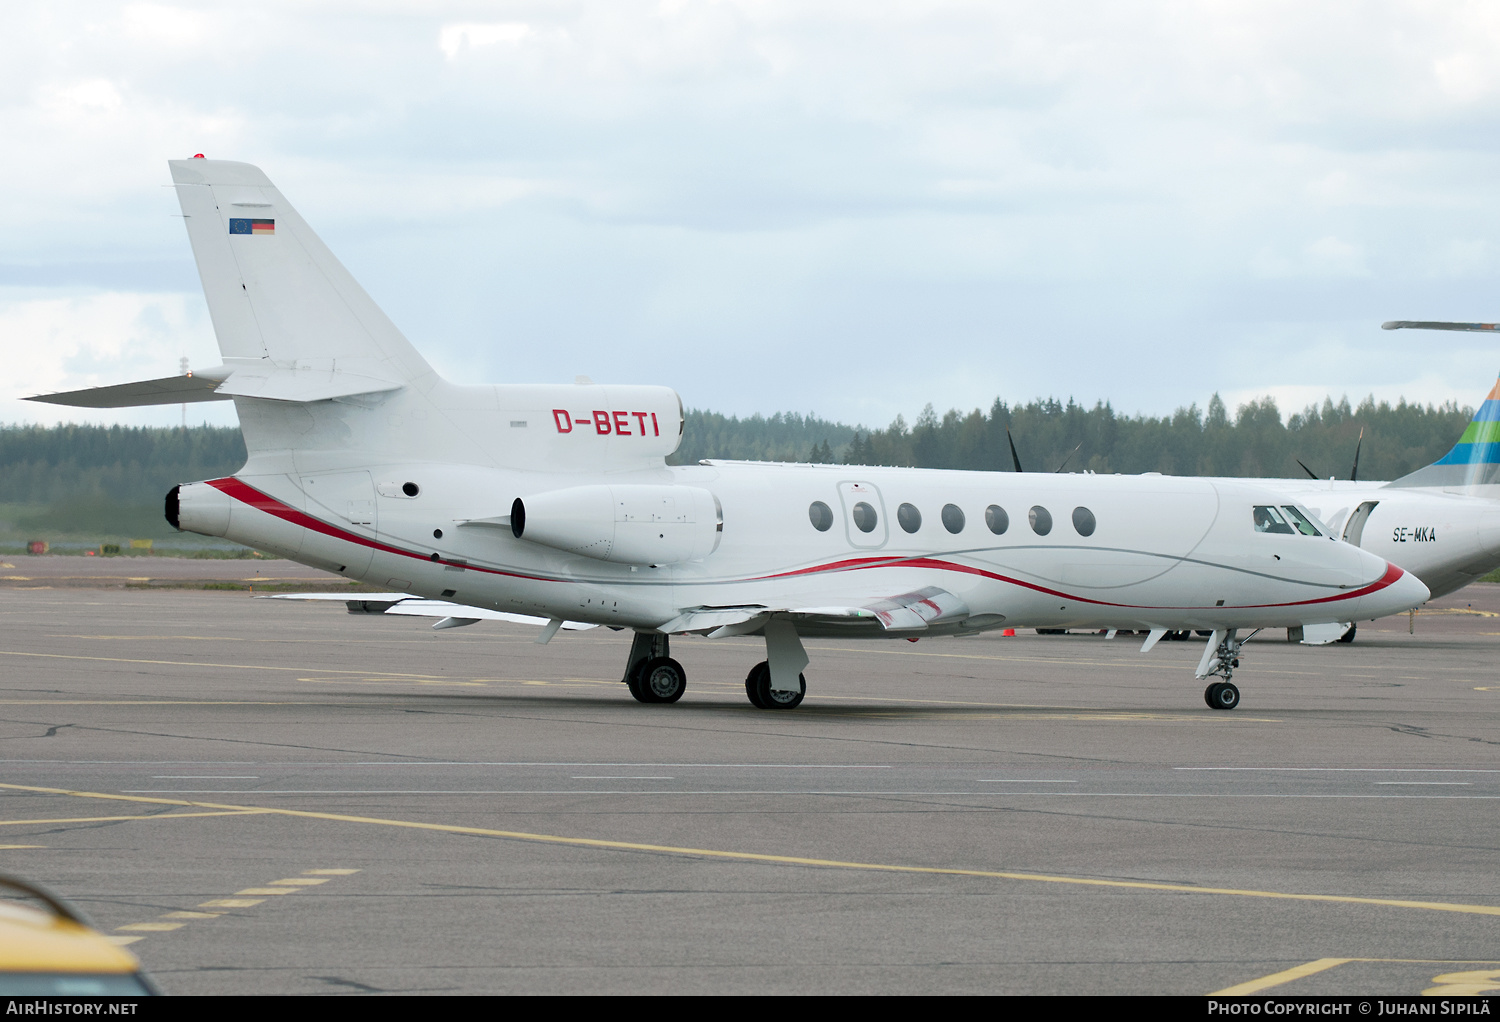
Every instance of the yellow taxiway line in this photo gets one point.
(790, 860)
(1276, 979)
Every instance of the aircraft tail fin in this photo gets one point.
(1474, 460)
(279, 299)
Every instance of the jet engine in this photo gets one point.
(626, 524)
(200, 508)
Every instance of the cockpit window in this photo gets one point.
(1268, 519)
(1302, 522)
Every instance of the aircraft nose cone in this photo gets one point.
(1396, 592)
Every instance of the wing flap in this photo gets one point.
(406, 605)
(913, 611)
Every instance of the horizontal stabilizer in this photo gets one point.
(303, 381)
(171, 390)
(1417, 324)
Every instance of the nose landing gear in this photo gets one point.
(1222, 695)
(1221, 658)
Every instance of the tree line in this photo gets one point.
(1049, 435)
(72, 466)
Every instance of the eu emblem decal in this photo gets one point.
(241, 226)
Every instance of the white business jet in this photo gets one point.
(554, 503)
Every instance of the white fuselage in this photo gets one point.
(1163, 551)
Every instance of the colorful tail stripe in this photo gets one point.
(1474, 460)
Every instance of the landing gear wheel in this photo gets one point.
(633, 683)
(758, 688)
(1349, 635)
(752, 685)
(1222, 695)
(659, 680)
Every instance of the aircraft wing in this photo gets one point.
(453, 615)
(913, 611)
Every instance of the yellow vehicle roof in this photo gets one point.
(33, 941)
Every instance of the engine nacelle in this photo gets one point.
(626, 524)
(200, 508)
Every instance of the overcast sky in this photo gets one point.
(849, 208)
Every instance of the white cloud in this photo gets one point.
(852, 207)
(68, 341)
(454, 39)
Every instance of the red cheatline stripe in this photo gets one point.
(271, 506)
(1392, 573)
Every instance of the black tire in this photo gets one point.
(1209, 693)
(660, 680)
(767, 698)
(753, 683)
(1225, 696)
(634, 684)
(1349, 635)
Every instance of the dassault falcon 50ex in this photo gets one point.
(555, 503)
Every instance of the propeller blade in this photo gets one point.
(1069, 457)
(1412, 324)
(1354, 472)
(1014, 457)
(1310, 473)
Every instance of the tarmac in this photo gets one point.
(270, 797)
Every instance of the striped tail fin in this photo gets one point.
(1474, 460)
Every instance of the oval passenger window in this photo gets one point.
(1083, 521)
(1040, 519)
(909, 517)
(864, 517)
(953, 518)
(996, 518)
(821, 516)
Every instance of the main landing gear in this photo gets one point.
(651, 675)
(758, 688)
(776, 683)
(1221, 658)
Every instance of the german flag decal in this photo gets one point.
(240, 226)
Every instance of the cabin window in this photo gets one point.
(909, 517)
(953, 518)
(1268, 519)
(1300, 521)
(865, 518)
(1083, 521)
(996, 518)
(1040, 519)
(821, 516)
